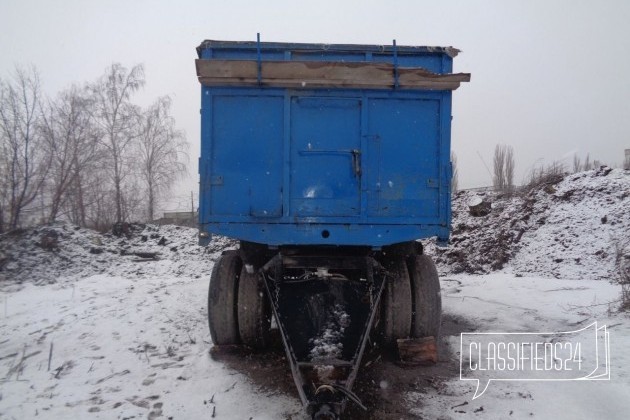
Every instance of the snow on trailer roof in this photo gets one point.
(296, 46)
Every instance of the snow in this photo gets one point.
(125, 347)
(474, 201)
(328, 343)
(565, 230)
(501, 302)
(121, 348)
(84, 252)
(588, 214)
(127, 336)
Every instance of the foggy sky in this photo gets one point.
(549, 78)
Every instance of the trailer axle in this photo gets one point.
(305, 293)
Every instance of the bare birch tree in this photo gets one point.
(70, 143)
(117, 119)
(100, 210)
(509, 168)
(162, 152)
(22, 162)
(106, 160)
(88, 172)
(455, 175)
(498, 179)
(577, 164)
(587, 162)
(503, 177)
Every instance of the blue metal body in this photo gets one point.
(284, 166)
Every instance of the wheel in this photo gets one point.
(222, 314)
(254, 312)
(396, 304)
(427, 300)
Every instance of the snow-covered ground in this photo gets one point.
(501, 302)
(91, 328)
(566, 230)
(121, 348)
(139, 348)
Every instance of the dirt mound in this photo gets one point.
(579, 224)
(48, 254)
(567, 230)
(482, 242)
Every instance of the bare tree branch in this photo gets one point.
(69, 142)
(117, 119)
(23, 164)
(161, 151)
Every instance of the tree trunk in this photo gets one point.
(79, 205)
(151, 202)
(117, 182)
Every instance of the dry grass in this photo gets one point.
(545, 176)
(621, 247)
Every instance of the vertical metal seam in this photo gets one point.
(395, 66)
(259, 59)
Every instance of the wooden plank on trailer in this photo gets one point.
(295, 74)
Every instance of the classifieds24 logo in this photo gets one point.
(578, 355)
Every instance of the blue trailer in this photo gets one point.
(328, 163)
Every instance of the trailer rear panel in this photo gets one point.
(308, 144)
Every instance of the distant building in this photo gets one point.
(180, 215)
(182, 218)
(626, 161)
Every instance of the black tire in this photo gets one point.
(396, 304)
(222, 313)
(254, 312)
(427, 300)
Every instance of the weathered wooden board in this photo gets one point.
(309, 74)
(418, 351)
